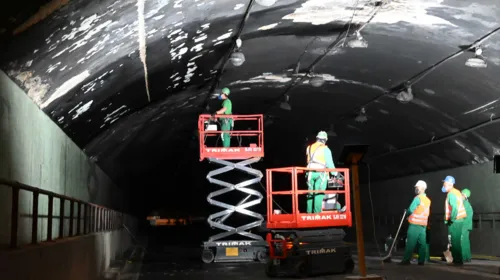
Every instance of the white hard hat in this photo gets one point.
(421, 184)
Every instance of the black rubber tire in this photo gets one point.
(207, 256)
(300, 270)
(261, 256)
(271, 269)
(349, 266)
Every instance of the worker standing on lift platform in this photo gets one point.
(226, 123)
(454, 217)
(418, 218)
(466, 252)
(319, 156)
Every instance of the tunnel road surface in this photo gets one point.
(175, 254)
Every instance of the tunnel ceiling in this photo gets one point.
(85, 66)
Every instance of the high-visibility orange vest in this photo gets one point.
(461, 209)
(421, 215)
(316, 155)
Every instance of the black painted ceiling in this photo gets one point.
(82, 65)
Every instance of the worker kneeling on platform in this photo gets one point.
(418, 218)
(319, 156)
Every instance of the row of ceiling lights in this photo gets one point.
(237, 58)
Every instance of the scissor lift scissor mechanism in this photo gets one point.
(218, 248)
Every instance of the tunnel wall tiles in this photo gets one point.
(391, 197)
(35, 151)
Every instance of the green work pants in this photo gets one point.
(415, 237)
(226, 124)
(466, 253)
(316, 181)
(455, 230)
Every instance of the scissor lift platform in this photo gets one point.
(302, 244)
(218, 248)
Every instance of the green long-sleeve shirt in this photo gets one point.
(470, 214)
(453, 201)
(414, 204)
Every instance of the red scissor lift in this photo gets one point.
(219, 248)
(305, 244)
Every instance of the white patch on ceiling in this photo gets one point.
(384, 112)
(53, 67)
(173, 76)
(421, 103)
(85, 33)
(66, 87)
(264, 79)
(269, 26)
(115, 115)
(160, 4)
(319, 12)
(178, 4)
(239, 6)
(80, 109)
(177, 52)
(195, 57)
(429, 91)
(245, 88)
(223, 36)
(191, 68)
(477, 159)
(481, 107)
(91, 86)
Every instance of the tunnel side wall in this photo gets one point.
(392, 196)
(36, 152)
(79, 258)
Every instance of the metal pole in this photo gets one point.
(357, 213)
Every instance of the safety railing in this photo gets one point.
(482, 220)
(303, 220)
(207, 126)
(84, 217)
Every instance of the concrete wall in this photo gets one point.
(35, 151)
(392, 196)
(79, 258)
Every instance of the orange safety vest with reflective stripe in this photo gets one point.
(421, 215)
(316, 155)
(461, 214)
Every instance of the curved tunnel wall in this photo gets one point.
(390, 197)
(35, 151)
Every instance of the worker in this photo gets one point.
(319, 156)
(467, 227)
(455, 215)
(226, 123)
(418, 212)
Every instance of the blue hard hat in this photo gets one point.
(449, 179)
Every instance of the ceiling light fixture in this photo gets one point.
(358, 42)
(286, 105)
(237, 57)
(266, 3)
(405, 96)
(478, 60)
(316, 80)
(361, 118)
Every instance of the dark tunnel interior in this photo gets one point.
(126, 81)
